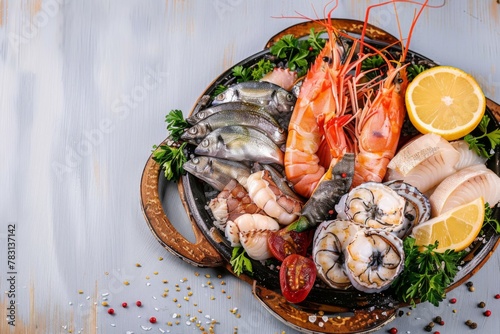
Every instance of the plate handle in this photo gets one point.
(322, 318)
(201, 253)
(351, 26)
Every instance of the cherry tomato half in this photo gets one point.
(297, 276)
(283, 243)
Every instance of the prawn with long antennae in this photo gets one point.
(379, 122)
(326, 96)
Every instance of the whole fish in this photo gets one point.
(260, 93)
(217, 172)
(256, 120)
(240, 143)
(234, 106)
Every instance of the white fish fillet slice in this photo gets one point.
(467, 156)
(424, 162)
(465, 186)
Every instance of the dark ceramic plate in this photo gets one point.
(359, 312)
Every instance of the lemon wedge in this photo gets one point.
(445, 100)
(455, 229)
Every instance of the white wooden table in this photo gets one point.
(84, 89)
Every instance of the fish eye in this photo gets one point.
(201, 114)
(289, 97)
(326, 59)
(195, 160)
(220, 97)
(193, 130)
(205, 143)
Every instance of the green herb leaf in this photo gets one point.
(171, 159)
(242, 74)
(176, 124)
(413, 70)
(426, 274)
(493, 137)
(260, 69)
(240, 262)
(489, 220)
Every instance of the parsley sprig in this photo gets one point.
(170, 158)
(489, 220)
(240, 262)
(426, 274)
(298, 54)
(479, 147)
(255, 72)
(176, 124)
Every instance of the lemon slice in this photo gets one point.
(445, 100)
(455, 229)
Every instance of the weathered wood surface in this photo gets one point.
(84, 88)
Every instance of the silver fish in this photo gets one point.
(217, 172)
(260, 93)
(259, 121)
(240, 143)
(234, 106)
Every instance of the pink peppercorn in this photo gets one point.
(138, 303)
(497, 296)
(152, 320)
(453, 300)
(393, 330)
(124, 305)
(111, 311)
(487, 313)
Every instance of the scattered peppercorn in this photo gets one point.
(487, 313)
(473, 325)
(438, 319)
(428, 328)
(124, 304)
(401, 313)
(481, 304)
(469, 284)
(111, 311)
(441, 323)
(436, 332)
(468, 322)
(431, 324)
(152, 320)
(453, 300)
(472, 289)
(497, 296)
(393, 330)
(138, 303)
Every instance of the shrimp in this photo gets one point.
(379, 123)
(326, 94)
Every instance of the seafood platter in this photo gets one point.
(247, 190)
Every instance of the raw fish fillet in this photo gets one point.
(465, 186)
(467, 156)
(424, 162)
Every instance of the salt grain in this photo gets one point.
(312, 318)
(146, 328)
